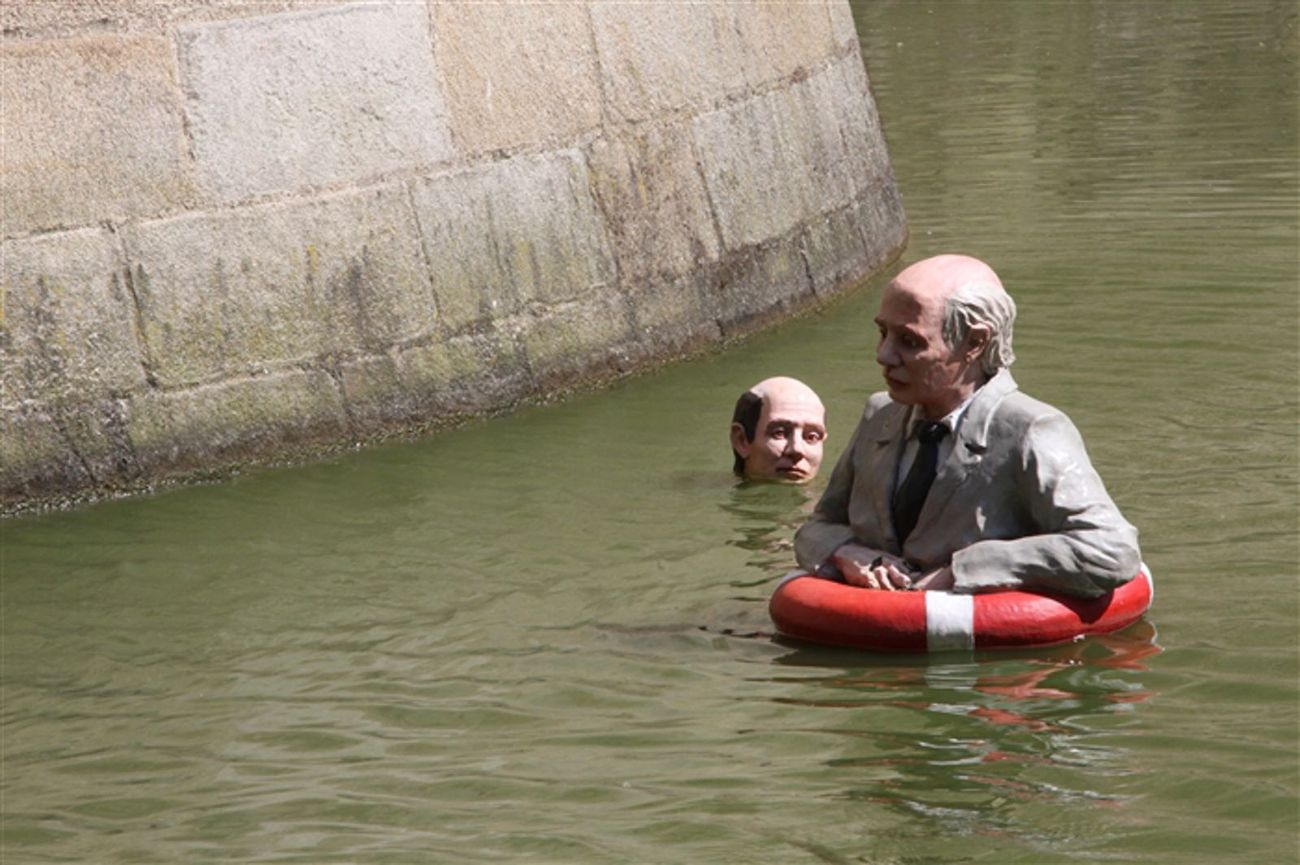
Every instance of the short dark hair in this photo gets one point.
(748, 410)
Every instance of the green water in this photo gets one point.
(544, 638)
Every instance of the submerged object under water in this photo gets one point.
(806, 607)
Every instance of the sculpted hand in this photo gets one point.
(938, 579)
(872, 569)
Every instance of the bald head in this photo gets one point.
(778, 430)
(943, 275)
(946, 325)
(971, 295)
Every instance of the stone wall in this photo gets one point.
(236, 230)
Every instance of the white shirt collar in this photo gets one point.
(951, 420)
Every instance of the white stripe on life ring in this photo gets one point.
(949, 621)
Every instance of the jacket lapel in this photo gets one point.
(968, 448)
(882, 463)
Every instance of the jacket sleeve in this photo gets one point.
(1081, 544)
(828, 528)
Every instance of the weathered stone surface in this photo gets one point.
(845, 90)
(96, 430)
(436, 380)
(67, 331)
(754, 169)
(36, 458)
(373, 393)
(843, 28)
(575, 340)
(90, 129)
(466, 375)
(65, 446)
(498, 237)
(517, 73)
(782, 38)
(237, 292)
(650, 187)
(882, 220)
(676, 315)
(786, 156)
(657, 58)
(235, 420)
(760, 285)
(310, 98)
(841, 246)
(26, 19)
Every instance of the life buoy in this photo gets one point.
(809, 608)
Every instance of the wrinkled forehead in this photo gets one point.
(903, 304)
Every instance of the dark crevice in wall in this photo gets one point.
(147, 362)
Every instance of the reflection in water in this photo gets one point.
(967, 739)
(766, 516)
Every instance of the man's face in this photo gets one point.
(919, 367)
(789, 437)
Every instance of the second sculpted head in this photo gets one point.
(778, 430)
(945, 328)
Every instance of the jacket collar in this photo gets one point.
(968, 449)
(974, 428)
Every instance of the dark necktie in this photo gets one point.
(916, 486)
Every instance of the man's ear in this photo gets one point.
(739, 443)
(977, 340)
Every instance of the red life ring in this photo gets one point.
(836, 614)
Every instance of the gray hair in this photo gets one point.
(983, 303)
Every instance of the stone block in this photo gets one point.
(90, 129)
(843, 27)
(572, 341)
(44, 19)
(676, 315)
(36, 458)
(883, 221)
(844, 92)
(435, 381)
(649, 184)
(754, 165)
(373, 393)
(67, 326)
(845, 245)
(657, 58)
(783, 38)
(470, 374)
(97, 432)
(304, 99)
(834, 248)
(785, 156)
(517, 73)
(761, 284)
(237, 292)
(222, 424)
(512, 232)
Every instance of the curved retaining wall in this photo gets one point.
(230, 233)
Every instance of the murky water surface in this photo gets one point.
(544, 638)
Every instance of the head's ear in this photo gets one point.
(977, 340)
(739, 443)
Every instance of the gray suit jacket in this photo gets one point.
(1016, 505)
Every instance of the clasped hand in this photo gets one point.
(872, 569)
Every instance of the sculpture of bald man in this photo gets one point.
(778, 430)
(954, 479)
